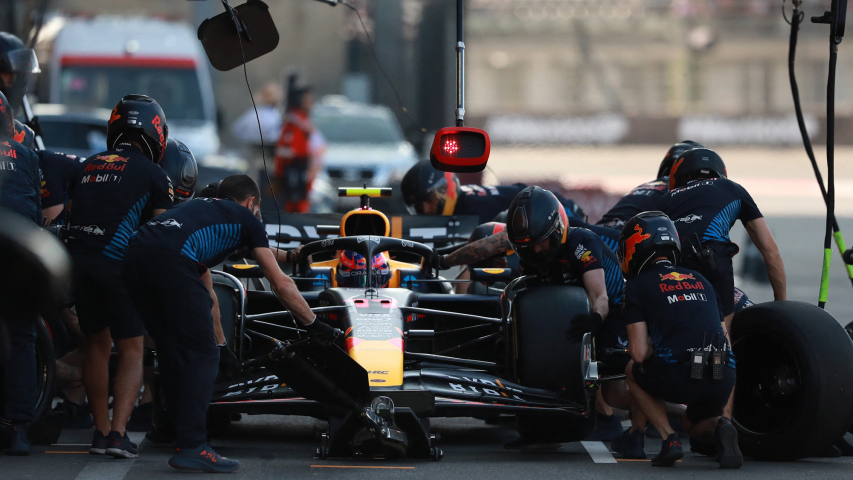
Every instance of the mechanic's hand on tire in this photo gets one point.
(581, 324)
(321, 331)
(228, 363)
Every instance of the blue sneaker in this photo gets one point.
(120, 446)
(630, 445)
(99, 443)
(607, 427)
(19, 442)
(670, 452)
(728, 452)
(202, 458)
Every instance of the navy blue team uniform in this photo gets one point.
(161, 270)
(610, 236)
(644, 198)
(58, 171)
(488, 202)
(706, 210)
(109, 192)
(683, 313)
(583, 252)
(19, 192)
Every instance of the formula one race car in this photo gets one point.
(413, 351)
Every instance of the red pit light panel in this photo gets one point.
(460, 150)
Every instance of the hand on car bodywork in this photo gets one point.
(228, 362)
(322, 331)
(581, 324)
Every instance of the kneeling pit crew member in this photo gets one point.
(704, 205)
(427, 191)
(645, 197)
(161, 269)
(108, 195)
(538, 231)
(678, 343)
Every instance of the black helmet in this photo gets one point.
(673, 153)
(422, 180)
(16, 58)
(7, 118)
(500, 218)
(645, 237)
(179, 164)
(535, 216)
(694, 164)
(210, 191)
(139, 118)
(483, 231)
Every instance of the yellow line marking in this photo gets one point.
(638, 460)
(64, 452)
(361, 466)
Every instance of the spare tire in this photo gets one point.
(547, 360)
(794, 393)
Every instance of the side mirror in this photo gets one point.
(460, 150)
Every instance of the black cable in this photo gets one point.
(830, 168)
(379, 65)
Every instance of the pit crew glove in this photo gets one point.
(438, 262)
(581, 324)
(228, 363)
(322, 331)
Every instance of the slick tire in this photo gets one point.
(547, 360)
(794, 392)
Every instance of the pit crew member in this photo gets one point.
(645, 197)
(432, 192)
(17, 64)
(109, 192)
(19, 192)
(673, 315)
(538, 231)
(58, 171)
(704, 206)
(161, 271)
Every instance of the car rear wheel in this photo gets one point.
(794, 392)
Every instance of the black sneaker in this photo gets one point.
(630, 445)
(140, 419)
(19, 443)
(203, 458)
(670, 453)
(120, 446)
(99, 443)
(728, 451)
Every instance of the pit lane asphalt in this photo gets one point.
(272, 447)
(283, 447)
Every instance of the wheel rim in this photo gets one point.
(769, 390)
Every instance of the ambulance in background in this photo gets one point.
(93, 62)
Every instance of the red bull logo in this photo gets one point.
(19, 136)
(156, 122)
(114, 116)
(672, 173)
(678, 277)
(681, 286)
(111, 158)
(631, 245)
(587, 258)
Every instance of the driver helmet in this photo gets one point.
(537, 226)
(352, 272)
(180, 165)
(7, 118)
(139, 118)
(694, 164)
(423, 181)
(16, 59)
(646, 236)
(673, 153)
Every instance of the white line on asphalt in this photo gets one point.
(109, 470)
(598, 452)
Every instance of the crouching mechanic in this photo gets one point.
(672, 314)
(538, 231)
(161, 269)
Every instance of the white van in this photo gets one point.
(96, 61)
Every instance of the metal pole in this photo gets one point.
(460, 66)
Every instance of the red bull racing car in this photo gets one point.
(413, 351)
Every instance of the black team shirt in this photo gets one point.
(109, 192)
(205, 230)
(680, 307)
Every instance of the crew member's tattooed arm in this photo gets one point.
(478, 251)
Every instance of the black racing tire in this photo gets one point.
(547, 360)
(794, 392)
